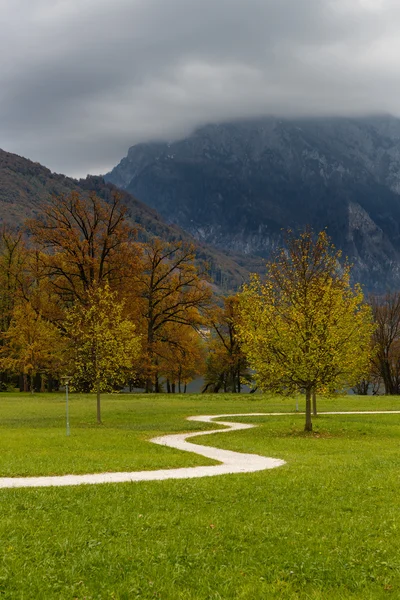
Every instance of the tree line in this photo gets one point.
(83, 294)
(304, 327)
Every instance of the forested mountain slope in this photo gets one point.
(24, 185)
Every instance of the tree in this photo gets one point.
(104, 344)
(12, 264)
(305, 328)
(370, 384)
(12, 272)
(182, 357)
(84, 241)
(32, 346)
(170, 289)
(226, 364)
(386, 312)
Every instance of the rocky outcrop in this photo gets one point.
(237, 185)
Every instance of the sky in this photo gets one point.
(83, 80)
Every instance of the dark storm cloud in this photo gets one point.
(81, 80)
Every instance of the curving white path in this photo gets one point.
(231, 462)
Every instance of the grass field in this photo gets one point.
(324, 526)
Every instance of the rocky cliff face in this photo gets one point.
(236, 185)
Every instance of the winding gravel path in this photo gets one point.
(231, 462)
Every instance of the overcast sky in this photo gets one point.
(82, 80)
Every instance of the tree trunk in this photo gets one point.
(150, 341)
(314, 403)
(308, 425)
(98, 402)
(42, 383)
(185, 388)
(173, 387)
(233, 379)
(168, 387)
(387, 377)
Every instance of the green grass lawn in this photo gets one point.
(324, 526)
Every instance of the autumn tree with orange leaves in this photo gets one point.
(182, 356)
(227, 367)
(13, 257)
(81, 244)
(84, 241)
(32, 346)
(170, 289)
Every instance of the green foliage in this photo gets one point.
(104, 343)
(305, 327)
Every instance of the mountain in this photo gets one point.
(24, 185)
(237, 185)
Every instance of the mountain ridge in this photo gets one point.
(25, 184)
(236, 185)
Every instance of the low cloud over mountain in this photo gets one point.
(237, 185)
(81, 80)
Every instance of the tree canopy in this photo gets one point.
(171, 290)
(304, 327)
(227, 367)
(80, 288)
(104, 343)
(84, 240)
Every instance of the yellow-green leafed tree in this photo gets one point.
(305, 327)
(32, 345)
(104, 343)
